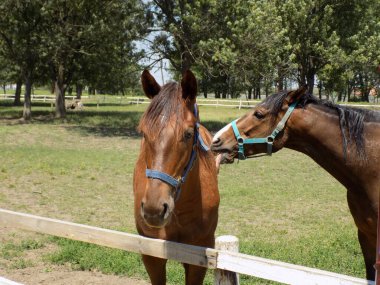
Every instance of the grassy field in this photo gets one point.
(283, 207)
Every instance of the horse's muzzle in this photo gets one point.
(226, 154)
(157, 216)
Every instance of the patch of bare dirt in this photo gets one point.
(37, 271)
(62, 275)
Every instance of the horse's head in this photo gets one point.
(262, 130)
(169, 128)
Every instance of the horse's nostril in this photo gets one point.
(166, 207)
(216, 144)
(216, 141)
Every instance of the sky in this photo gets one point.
(160, 74)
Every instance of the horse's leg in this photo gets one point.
(194, 274)
(369, 253)
(156, 268)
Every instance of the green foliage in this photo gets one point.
(71, 42)
(243, 45)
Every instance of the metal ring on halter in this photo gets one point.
(270, 139)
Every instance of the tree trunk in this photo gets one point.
(205, 86)
(344, 95)
(250, 93)
(60, 108)
(310, 81)
(340, 96)
(59, 89)
(257, 94)
(79, 89)
(17, 101)
(205, 92)
(320, 86)
(4, 89)
(27, 113)
(348, 91)
(52, 87)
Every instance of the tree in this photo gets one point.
(86, 34)
(21, 26)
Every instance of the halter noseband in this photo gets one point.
(268, 140)
(176, 183)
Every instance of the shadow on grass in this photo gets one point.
(214, 126)
(87, 122)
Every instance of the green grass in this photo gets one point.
(283, 207)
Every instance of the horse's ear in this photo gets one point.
(150, 86)
(296, 94)
(189, 86)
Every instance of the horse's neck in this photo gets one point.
(315, 132)
(202, 181)
(191, 188)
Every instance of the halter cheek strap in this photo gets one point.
(176, 183)
(268, 140)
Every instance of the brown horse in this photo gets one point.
(344, 141)
(175, 179)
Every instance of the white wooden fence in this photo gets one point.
(201, 256)
(230, 103)
(42, 98)
(242, 103)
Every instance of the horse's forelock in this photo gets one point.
(166, 104)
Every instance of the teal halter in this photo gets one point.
(268, 140)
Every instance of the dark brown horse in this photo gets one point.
(344, 141)
(175, 179)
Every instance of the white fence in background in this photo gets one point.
(43, 98)
(184, 253)
(229, 103)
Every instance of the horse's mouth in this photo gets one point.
(224, 158)
(156, 220)
(157, 223)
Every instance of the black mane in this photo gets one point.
(351, 120)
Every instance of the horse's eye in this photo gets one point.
(188, 135)
(258, 115)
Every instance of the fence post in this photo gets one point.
(224, 277)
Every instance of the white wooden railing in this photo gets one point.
(207, 257)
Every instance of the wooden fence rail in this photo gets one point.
(206, 257)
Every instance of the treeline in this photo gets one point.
(70, 44)
(234, 47)
(250, 46)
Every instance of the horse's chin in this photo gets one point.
(224, 158)
(158, 224)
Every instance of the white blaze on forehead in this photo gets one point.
(221, 131)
